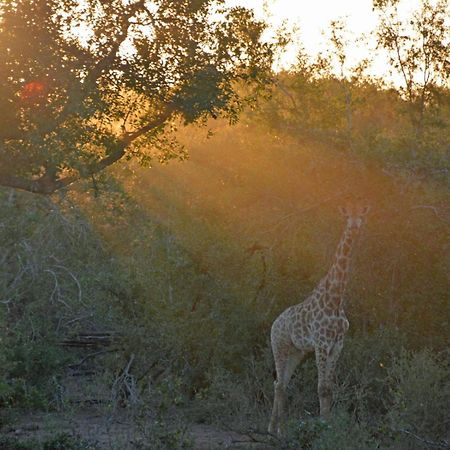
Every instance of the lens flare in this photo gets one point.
(33, 91)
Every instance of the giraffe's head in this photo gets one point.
(354, 215)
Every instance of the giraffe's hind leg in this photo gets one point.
(286, 361)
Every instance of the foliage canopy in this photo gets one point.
(84, 84)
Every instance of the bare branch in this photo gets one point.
(128, 138)
(125, 383)
(56, 290)
(440, 445)
(92, 355)
(286, 92)
(432, 208)
(76, 282)
(122, 35)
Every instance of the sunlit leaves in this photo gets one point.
(76, 97)
(418, 52)
(417, 45)
(384, 3)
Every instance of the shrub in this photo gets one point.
(55, 279)
(361, 372)
(63, 441)
(419, 397)
(342, 432)
(345, 432)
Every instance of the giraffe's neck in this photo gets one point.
(337, 277)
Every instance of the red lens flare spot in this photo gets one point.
(34, 90)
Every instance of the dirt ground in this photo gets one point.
(118, 432)
(85, 412)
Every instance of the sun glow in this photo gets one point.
(310, 21)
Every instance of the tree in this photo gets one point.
(349, 77)
(319, 97)
(86, 84)
(418, 51)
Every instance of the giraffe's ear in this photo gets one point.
(344, 211)
(365, 210)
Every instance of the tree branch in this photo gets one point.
(49, 183)
(432, 208)
(74, 97)
(43, 185)
(122, 35)
(286, 92)
(440, 445)
(129, 137)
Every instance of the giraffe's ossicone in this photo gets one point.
(317, 324)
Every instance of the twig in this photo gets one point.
(56, 290)
(74, 278)
(92, 355)
(276, 442)
(432, 208)
(281, 233)
(129, 364)
(5, 254)
(441, 445)
(129, 382)
(309, 208)
(286, 92)
(77, 319)
(253, 441)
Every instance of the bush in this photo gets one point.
(61, 441)
(361, 372)
(419, 397)
(55, 280)
(384, 396)
(342, 432)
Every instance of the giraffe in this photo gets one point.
(318, 324)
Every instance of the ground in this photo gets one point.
(117, 431)
(87, 411)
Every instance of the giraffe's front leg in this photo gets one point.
(274, 417)
(278, 408)
(326, 360)
(323, 386)
(332, 360)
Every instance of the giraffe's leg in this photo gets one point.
(326, 360)
(324, 387)
(285, 363)
(273, 424)
(332, 361)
